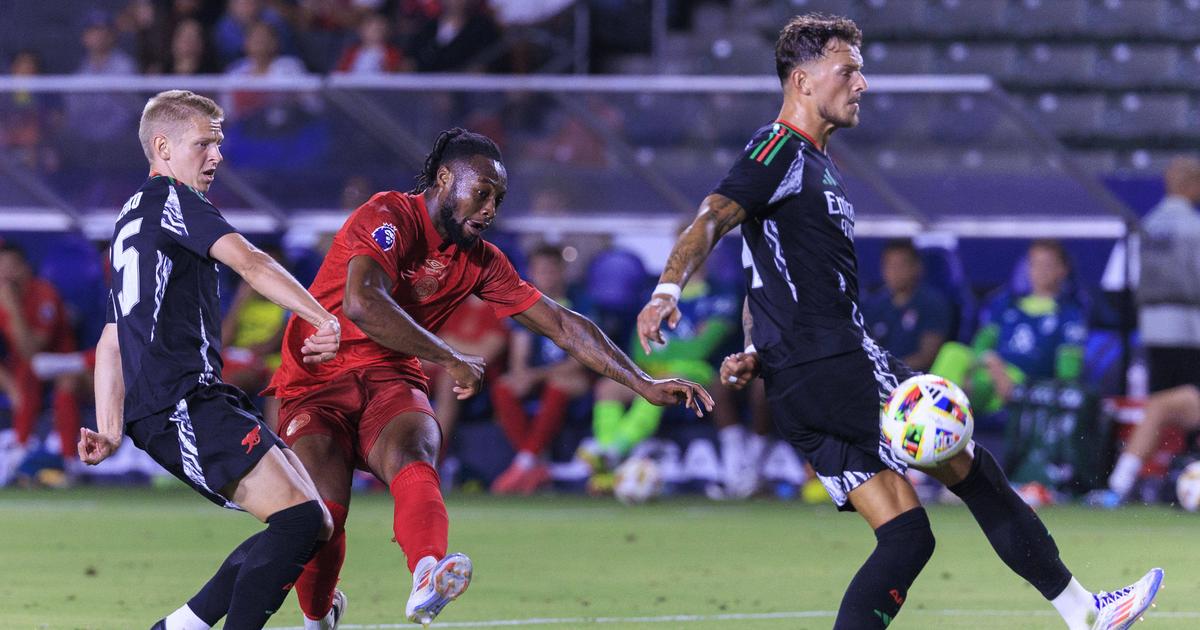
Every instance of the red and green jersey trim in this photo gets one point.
(766, 150)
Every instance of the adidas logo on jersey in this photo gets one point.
(828, 180)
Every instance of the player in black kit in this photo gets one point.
(158, 366)
(825, 377)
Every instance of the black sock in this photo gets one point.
(903, 546)
(272, 565)
(212, 602)
(1015, 531)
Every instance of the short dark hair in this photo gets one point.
(805, 37)
(902, 245)
(9, 247)
(1054, 245)
(553, 252)
(452, 144)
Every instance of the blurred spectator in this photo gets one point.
(276, 129)
(1168, 296)
(1168, 292)
(150, 26)
(28, 120)
(471, 329)
(411, 16)
(460, 40)
(373, 53)
(538, 370)
(323, 29)
(191, 52)
(97, 118)
(356, 191)
(707, 318)
(908, 318)
(252, 335)
(33, 319)
(1039, 335)
(524, 24)
(233, 29)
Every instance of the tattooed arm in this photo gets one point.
(583, 340)
(740, 368)
(717, 216)
(747, 323)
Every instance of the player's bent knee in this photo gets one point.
(303, 523)
(909, 535)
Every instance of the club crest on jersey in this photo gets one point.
(385, 236)
(426, 279)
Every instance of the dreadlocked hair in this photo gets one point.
(450, 145)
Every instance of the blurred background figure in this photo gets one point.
(460, 40)
(30, 121)
(33, 319)
(1168, 296)
(1026, 335)
(908, 318)
(191, 50)
(541, 377)
(373, 53)
(621, 420)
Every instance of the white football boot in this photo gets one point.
(331, 619)
(1119, 610)
(435, 584)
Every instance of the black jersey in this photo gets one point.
(164, 297)
(798, 248)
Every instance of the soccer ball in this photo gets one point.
(1187, 487)
(927, 420)
(637, 480)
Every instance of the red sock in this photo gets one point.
(548, 421)
(510, 414)
(420, 522)
(314, 587)
(25, 414)
(66, 420)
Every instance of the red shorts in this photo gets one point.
(353, 409)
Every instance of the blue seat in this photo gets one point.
(944, 272)
(616, 289)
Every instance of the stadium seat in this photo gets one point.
(1069, 113)
(1056, 65)
(1123, 18)
(996, 60)
(1135, 115)
(890, 58)
(1183, 20)
(944, 272)
(1135, 65)
(617, 287)
(881, 18)
(964, 118)
(958, 18)
(1047, 17)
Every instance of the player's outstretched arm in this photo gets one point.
(273, 282)
(584, 341)
(369, 304)
(717, 216)
(95, 446)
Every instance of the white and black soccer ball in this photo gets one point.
(927, 420)
(637, 480)
(1187, 487)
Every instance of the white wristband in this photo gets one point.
(668, 288)
(750, 349)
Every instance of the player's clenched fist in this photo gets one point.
(738, 369)
(649, 321)
(322, 345)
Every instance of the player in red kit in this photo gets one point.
(397, 269)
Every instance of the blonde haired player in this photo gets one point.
(158, 366)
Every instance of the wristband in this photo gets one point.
(750, 349)
(668, 288)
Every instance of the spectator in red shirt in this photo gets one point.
(33, 319)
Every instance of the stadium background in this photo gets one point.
(988, 123)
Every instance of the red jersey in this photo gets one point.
(45, 313)
(428, 281)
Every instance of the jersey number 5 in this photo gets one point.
(125, 262)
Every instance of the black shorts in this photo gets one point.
(828, 410)
(212, 437)
(1172, 367)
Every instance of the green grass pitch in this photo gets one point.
(122, 558)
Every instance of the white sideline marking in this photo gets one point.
(802, 614)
